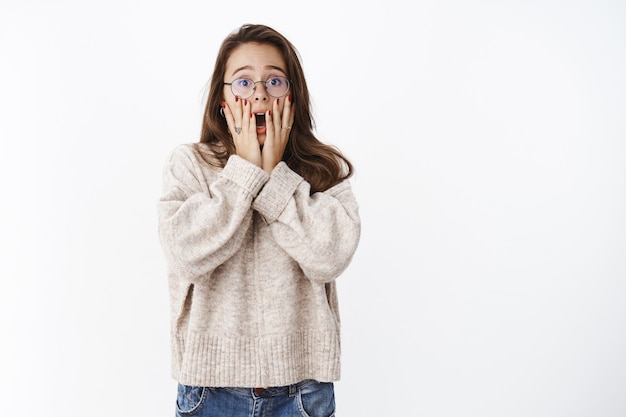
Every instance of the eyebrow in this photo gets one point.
(249, 67)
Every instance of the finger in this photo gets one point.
(248, 124)
(276, 117)
(269, 125)
(288, 116)
(234, 123)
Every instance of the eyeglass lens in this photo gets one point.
(275, 87)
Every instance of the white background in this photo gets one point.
(489, 140)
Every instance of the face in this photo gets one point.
(256, 62)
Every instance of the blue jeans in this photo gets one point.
(308, 398)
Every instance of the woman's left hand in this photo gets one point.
(277, 135)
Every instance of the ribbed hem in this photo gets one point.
(214, 361)
(280, 187)
(245, 174)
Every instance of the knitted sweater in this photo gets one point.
(252, 262)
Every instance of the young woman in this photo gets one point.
(256, 221)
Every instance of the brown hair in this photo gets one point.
(321, 165)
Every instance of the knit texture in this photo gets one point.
(252, 261)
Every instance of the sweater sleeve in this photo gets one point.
(202, 222)
(320, 231)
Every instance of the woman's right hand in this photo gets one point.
(242, 127)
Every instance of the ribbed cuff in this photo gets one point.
(245, 174)
(276, 193)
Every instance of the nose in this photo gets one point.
(260, 94)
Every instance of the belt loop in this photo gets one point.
(293, 388)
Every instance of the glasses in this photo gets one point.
(245, 87)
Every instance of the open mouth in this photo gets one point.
(260, 119)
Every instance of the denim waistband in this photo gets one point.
(290, 390)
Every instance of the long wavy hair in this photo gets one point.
(321, 165)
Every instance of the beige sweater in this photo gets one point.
(252, 262)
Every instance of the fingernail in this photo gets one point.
(245, 102)
(223, 104)
(251, 115)
(236, 99)
(289, 98)
(277, 100)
